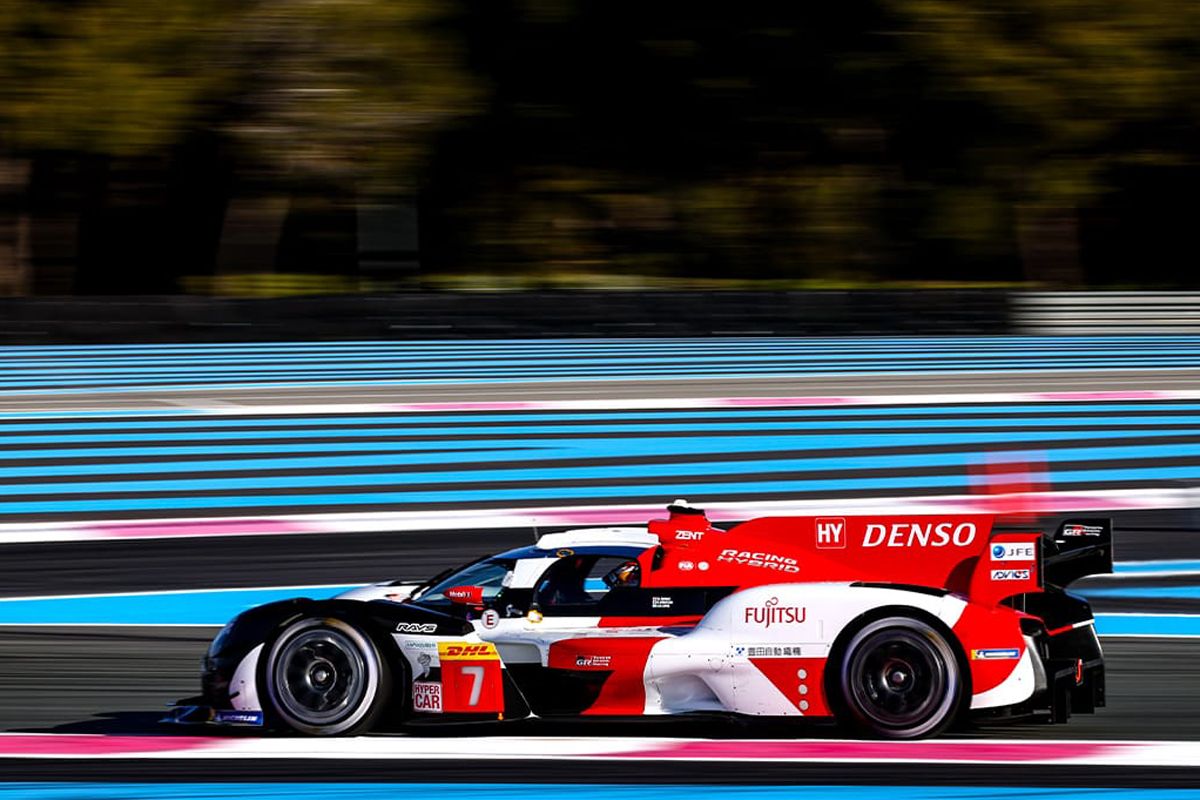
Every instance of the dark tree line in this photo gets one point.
(264, 146)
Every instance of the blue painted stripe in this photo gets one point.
(1128, 425)
(214, 607)
(1134, 568)
(611, 446)
(576, 791)
(629, 492)
(1176, 592)
(1148, 624)
(467, 471)
(957, 463)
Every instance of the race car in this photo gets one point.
(894, 626)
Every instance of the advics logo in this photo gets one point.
(1010, 574)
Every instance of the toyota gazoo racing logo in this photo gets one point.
(916, 534)
(1076, 529)
(1014, 551)
(601, 662)
(772, 613)
(748, 558)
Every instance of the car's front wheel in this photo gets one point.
(899, 678)
(325, 677)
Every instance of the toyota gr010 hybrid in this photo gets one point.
(895, 626)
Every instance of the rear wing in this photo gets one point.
(1080, 547)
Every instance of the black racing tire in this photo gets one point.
(325, 676)
(898, 678)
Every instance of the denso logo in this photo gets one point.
(914, 534)
(831, 533)
(771, 613)
(763, 560)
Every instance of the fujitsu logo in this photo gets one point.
(771, 613)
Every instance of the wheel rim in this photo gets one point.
(320, 676)
(900, 679)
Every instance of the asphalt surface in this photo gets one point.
(1079, 380)
(116, 680)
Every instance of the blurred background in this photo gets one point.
(257, 148)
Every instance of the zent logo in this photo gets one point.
(689, 536)
(1014, 551)
(771, 613)
(1010, 574)
(831, 533)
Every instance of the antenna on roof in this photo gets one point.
(536, 536)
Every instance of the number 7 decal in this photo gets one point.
(472, 679)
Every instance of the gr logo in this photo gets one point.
(831, 533)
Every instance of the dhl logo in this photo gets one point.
(453, 651)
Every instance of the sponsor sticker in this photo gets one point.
(772, 613)
(490, 618)
(418, 644)
(1010, 574)
(661, 602)
(762, 560)
(995, 654)
(686, 566)
(427, 697)
(595, 662)
(831, 533)
(228, 717)
(463, 651)
(416, 627)
(702, 566)
(1075, 529)
(767, 650)
(689, 536)
(916, 534)
(1014, 551)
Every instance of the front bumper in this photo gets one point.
(186, 713)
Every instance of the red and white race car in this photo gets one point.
(896, 626)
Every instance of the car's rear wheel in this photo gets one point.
(899, 678)
(325, 677)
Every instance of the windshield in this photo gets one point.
(491, 575)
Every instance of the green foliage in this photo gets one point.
(328, 90)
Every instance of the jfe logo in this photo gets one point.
(1014, 551)
(831, 533)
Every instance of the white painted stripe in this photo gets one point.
(587, 516)
(534, 748)
(230, 408)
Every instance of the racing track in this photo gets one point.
(113, 680)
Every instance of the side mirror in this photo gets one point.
(465, 595)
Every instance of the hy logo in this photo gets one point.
(831, 533)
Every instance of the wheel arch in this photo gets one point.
(357, 614)
(837, 652)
